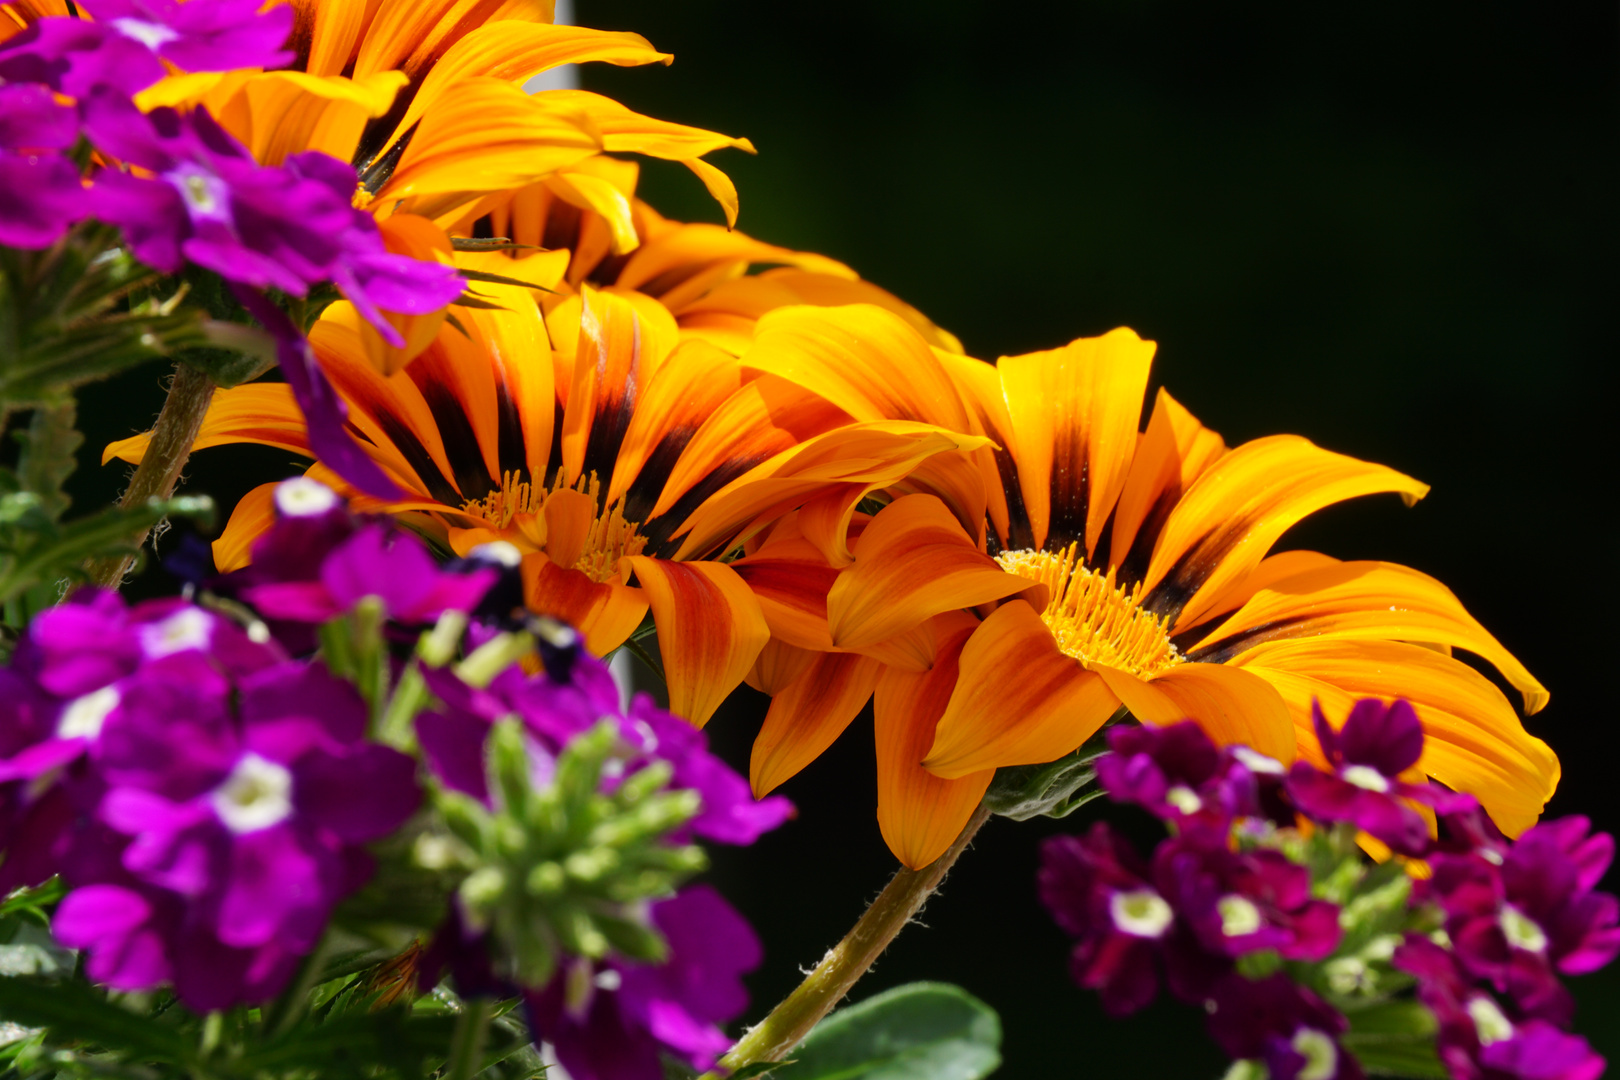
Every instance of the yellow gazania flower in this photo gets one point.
(623, 470)
(585, 226)
(1119, 567)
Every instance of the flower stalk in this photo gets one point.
(846, 962)
(155, 478)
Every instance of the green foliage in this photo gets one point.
(920, 1031)
(1056, 789)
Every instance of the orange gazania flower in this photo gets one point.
(1119, 567)
(624, 469)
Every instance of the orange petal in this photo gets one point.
(1362, 600)
(607, 613)
(257, 413)
(914, 562)
(1018, 700)
(920, 814)
(683, 264)
(683, 392)
(1473, 741)
(867, 361)
(1231, 705)
(1173, 452)
(569, 516)
(805, 718)
(1227, 521)
(710, 630)
(1076, 411)
(980, 386)
(613, 359)
(1272, 569)
(778, 667)
(255, 512)
(790, 581)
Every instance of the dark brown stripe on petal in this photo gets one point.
(1189, 573)
(1133, 567)
(1069, 489)
(510, 447)
(648, 485)
(659, 529)
(405, 440)
(460, 442)
(1020, 534)
(1227, 649)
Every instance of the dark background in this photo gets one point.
(1387, 226)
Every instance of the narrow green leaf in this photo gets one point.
(920, 1031)
(74, 1010)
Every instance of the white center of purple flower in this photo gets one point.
(1320, 1052)
(153, 35)
(303, 497)
(83, 716)
(609, 980)
(1489, 1023)
(1140, 913)
(1364, 776)
(257, 795)
(189, 628)
(1256, 762)
(205, 195)
(1521, 930)
(1239, 916)
(501, 552)
(1184, 798)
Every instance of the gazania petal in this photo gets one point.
(779, 666)
(1174, 451)
(1076, 411)
(259, 412)
(1018, 700)
(1227, 521)
(710, 630)
(255, 512)
(1231, 705)
(914, 562)
(919, 813)
(607, 613)
(1473, 741)
(805, 718)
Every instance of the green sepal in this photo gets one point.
(1395, 1038)
(1056, 789)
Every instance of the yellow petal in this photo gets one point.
(615, 355)
(1231, 705)
(412, 36)
(1017, 701)
(252, 517)
(1227, 521)
(1174, 451)
(710, 630)
(805, 718)
(671, 407)
(256, 413)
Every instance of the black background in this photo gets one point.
(1387, 226)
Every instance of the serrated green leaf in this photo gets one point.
(73, 1010)
(47, 458)
(920, 1031)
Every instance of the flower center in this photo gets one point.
(204, 194)
(563, 522)
(1239, 916)
(83, 716)
(257, 795)
(1365, 777)
(302, 497)
(1521, 930)
(153, 35)
(1140, 913)
(1489, 1022)
(1184, 798)
(1320, 1054)
(186, 629)
(1091, 618)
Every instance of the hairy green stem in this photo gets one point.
(467, 1042)
(826, 986)
(176, 429)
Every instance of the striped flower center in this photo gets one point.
(1091, 618)
(567, 523)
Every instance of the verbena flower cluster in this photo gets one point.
(73, 145)
(1259, 906)
(210, 798)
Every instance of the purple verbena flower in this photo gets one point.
(1366, 758)
(41, 193)
(1177, 773)
(1283, 1024)
(1477, 1039)
(1099, 891)
(1520, 921)
(1241, 902)
(611, 1021)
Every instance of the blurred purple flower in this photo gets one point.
(41, 193)
(1366, 757)
(611, 1022)
(1241, 902)
(1283, 1024)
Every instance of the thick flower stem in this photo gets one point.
(176, 429)
(467, 1041)
(826, 986)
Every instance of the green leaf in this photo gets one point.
(47, 458)
(73, 1010)
(45, 551)
(32, 951)
(920, 1031)
(1056, 789)
(1395, 1038)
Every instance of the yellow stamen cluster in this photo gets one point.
(1091, 618)
(611, 536)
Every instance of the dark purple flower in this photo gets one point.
(1535, 914)
(1477, 1039)
(1241, 902)
(1283, 1024)
(379, 560)
(1098, 891)
(1177, 773)
(1366, 757)
(41, 193)
(612, 1021)
(125, 47)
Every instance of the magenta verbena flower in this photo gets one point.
(1479, 1038)
(1366, 758)
(1283, 1024)
(1242, 902)
(611, 1021)
(1518, 920)
(41, 193)
(1177, 773)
